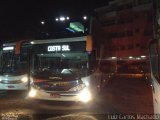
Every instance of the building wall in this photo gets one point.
(127, 26)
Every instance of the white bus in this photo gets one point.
(13, 70)
(64, 70)
(155, 73)
(155, 57)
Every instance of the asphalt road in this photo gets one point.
(120, 95)
(14, 104)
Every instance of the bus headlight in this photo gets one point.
(32, 93)
(24, 79)
(87, 83)
(85, 95)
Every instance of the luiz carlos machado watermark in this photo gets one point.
(15, 116)
(9, 116)
(133, 116)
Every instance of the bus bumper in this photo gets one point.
(20, 86)
(82, 96)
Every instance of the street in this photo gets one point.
(121, 95)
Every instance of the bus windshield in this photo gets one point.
(60, 63)
(11, 64)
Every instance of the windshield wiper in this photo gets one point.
(71, 71)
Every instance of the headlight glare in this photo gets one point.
(87, 83)
(32, 93)
(85, 95)
(24, 79)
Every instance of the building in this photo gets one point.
(128, 25)
(126, 29)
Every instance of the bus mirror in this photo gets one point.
(18, 46)
(89, 43)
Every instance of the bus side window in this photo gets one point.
(158, 63)
(155, 61)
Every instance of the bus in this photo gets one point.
(64, 69)
(13, 69)
(155, 74)
(155, 58)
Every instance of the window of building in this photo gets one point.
(130, 5)
(136, 16)
(130, 46)
(118, 48)
(123, 48)
(117, 35)
(112, 48)
(137, 30)
(120, 21)
(149, 17)
(112, 35)
(148, 32)
(129, 20)
(143, 1)
(129, 33)
(109, 23)
(121, 34)
(137, 45)
(143, 47)
(120, 7)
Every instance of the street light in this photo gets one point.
(42, 22)
(67, 18)
(85, 17)
(32, 42)
(57, 19)
(62, 18)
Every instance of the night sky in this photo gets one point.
(21, 19)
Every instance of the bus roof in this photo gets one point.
(9, 44)
(73, 39)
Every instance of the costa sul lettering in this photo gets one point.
(55, 48)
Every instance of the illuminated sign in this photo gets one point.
(76, 27)
(55, 48)
(59, 47)
(8, 48)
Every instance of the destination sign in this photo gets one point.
(59, 47)
(55, 48)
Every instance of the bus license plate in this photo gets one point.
(54, 95)
(11, 87)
